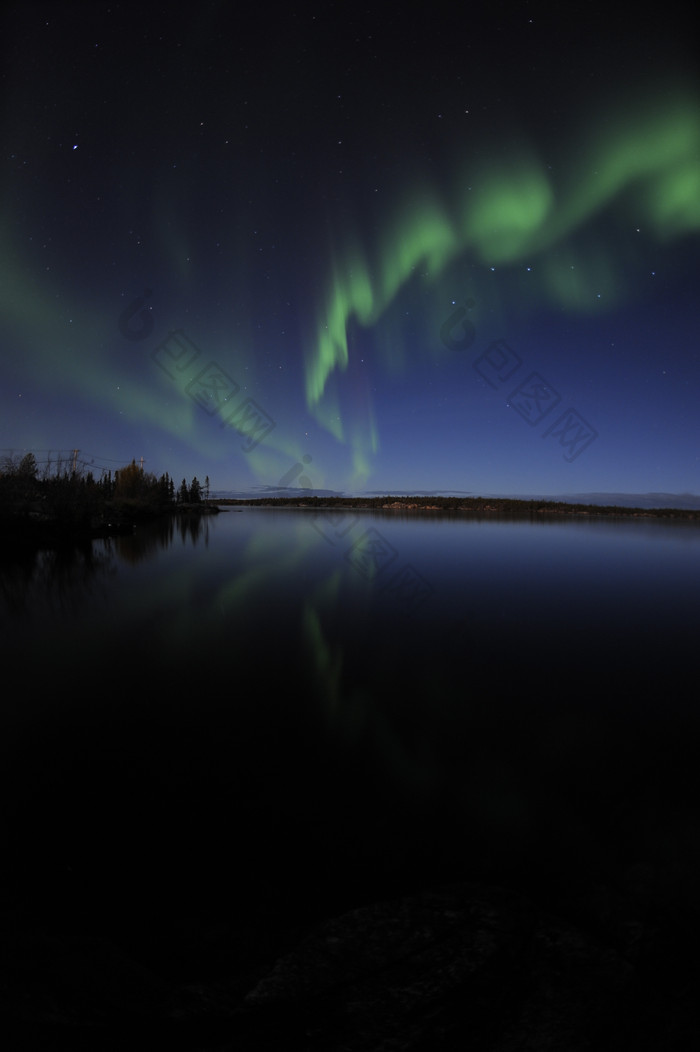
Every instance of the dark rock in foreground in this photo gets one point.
(463, 966)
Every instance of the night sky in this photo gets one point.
(406, 248)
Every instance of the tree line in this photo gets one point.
(73, 496)
(478, 505)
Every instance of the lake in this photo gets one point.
(267, 716)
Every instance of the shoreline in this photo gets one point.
(32, 530)
(472, 505)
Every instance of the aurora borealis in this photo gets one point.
(398, 252)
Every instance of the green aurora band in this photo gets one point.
(644, 159)
(638, 166)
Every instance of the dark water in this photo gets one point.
(265, 716)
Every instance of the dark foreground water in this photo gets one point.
(257, 719)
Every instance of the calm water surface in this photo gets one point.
(280, 712)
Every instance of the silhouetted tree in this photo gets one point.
(165, 486)
(129, 482)
(28, 466)
(107, 484)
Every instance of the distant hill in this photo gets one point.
(274, 491)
